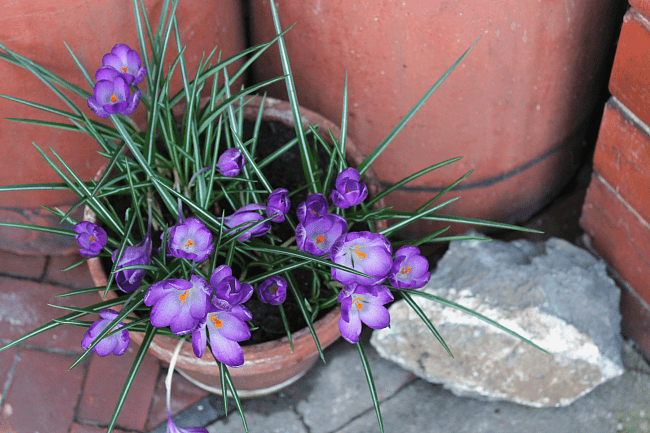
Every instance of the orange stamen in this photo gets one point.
(357, 303)
(92, 238)
(189, 243)
(405, 271)
(124, 68)
(218, 323)
(359, 253)
(314, 212)
(320, 239)
(183, 297)
(113, 98)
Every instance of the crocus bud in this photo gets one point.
(278, 204)
(247, 214)
(130, 279)
(116, 342)
(91, 238)
(273, 290)
(410, 270)
(231, 162)
(315, 206)
(349, 191)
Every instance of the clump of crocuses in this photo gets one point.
(121, 69)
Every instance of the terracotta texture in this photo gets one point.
(37, 30)
(514, 108)
(630, 80)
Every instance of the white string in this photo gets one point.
(170, 372)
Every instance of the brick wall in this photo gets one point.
(616, 212)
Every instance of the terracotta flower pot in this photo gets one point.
(268, 366)
(515, 108)
(36, 30)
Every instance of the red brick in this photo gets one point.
(642, 6)
(84, 428)
(622, 157)
(23, 266)
(184, 394)
(23, 307)
(636, 319)
(630, 79)
(43, 393)
(104, 384)
(620, 237)
(77, 277)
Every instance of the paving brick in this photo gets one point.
(84, 428)
(43, 393)
(184, 394)
(77, 277)
(22, 266)
(7, 360)
(622, 157)
(104, 384)
(619, 236)
(642, 6)
(23, 307)
(630, 79)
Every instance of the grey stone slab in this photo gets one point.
(199, 414)
(553, 293)
(333, 394)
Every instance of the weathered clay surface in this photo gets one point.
(553, 293)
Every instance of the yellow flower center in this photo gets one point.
(360, 255)
(405, 270)
(218, 323)
(113, 98)
(183, 297)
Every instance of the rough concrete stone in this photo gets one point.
(554, 293)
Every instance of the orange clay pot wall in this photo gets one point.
(515, 108)
(37, 30)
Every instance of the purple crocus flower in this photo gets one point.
(113, 97)
(247, 214)
(231, 162)
(273, 290)
(349, 191)
(91, 238)
(179, 304)
(171, 427)
(130, 279)
(363, 304)
(126, 62)
(410, 270)
(278, 204)
(366, 252)
(190, 240)
(317, 235)
(116, 342)
(315, 206)
(225, 329)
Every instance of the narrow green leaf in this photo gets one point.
(286, 325)
(39, 229)
(137, 362)
(371, 384)
(447, 303)
(426, 320)
(293, 287)
(384, 144)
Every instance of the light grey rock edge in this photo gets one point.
(554, 293)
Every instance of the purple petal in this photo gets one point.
(375, 316)
(199, 339)
(165, 311)
(226, 351)
(351, 330)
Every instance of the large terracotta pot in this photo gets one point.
(515, 108)
(37, 30)
(273, 365)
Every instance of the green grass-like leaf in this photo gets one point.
(416, 308)
(371, 384)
